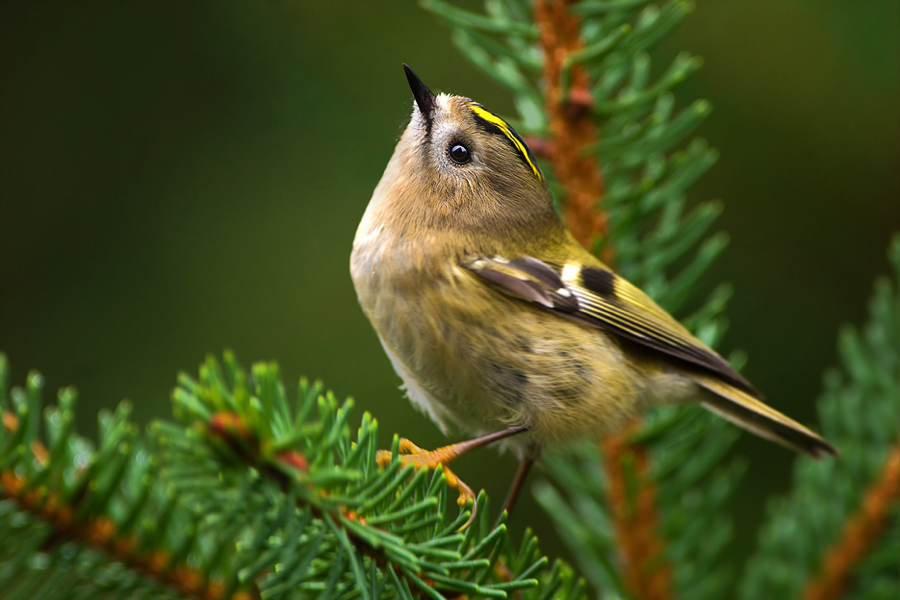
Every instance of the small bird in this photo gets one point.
(500, 323)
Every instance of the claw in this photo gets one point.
(413, 455)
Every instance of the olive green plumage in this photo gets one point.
(494, 315)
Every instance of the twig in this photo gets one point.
(100, 533)
(571, 124)
(632, 503)
(860, 532)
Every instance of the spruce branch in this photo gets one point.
(847, 546)
(572, 130)
(633, 504)
(631, 492)
(246, 495)
(860, 533)
(78, 519)
(392, 520)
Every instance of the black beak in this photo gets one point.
(424, 97)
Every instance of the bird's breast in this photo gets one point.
(474, 357)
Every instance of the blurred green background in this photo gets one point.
(177, 178)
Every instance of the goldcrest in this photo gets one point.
(499, 322)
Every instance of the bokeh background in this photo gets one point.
(177, 178)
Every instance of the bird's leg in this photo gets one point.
(519, 481)
(412, 454)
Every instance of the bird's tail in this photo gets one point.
(751, 414)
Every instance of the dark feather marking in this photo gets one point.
(633, 325)
(568, 394)
(599, 281)
(523, 344)
(487, 126)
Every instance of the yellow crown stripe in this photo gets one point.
(507, 131)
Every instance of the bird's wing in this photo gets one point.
(596, 296)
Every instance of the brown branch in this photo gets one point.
(860, 533)
(632, 503)
(100, 533)
(632, 497)
(571, 124)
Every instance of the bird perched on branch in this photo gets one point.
(499, 322)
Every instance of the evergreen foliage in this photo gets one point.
(860, 411)
(248, 494)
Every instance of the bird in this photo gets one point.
(500, 323)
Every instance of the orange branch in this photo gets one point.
(632, 503)
(100, 533)
(860, 532)
(635, 516)
(570, 122)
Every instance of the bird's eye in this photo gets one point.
(459, 154)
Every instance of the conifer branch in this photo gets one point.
(568, 105)
(392, 517)
(243, 497)
(237, 435)
(101, 533)
(633, 504)
(71, 511)
(837, 534)
(861, 532)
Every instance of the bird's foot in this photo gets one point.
(410, 454)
